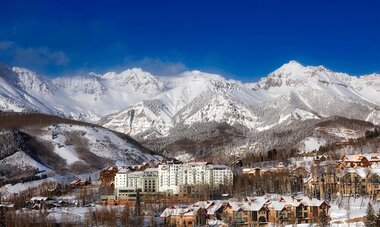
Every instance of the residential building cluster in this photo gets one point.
(254, 211)
(352, 175)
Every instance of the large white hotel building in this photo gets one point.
(169, 177)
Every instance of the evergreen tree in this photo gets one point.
(378, 219)
(371, 217)
(324, 218)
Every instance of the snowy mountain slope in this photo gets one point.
(146, 106)
(57, 146)
(101, 95)
(292, 92)
(23, 90)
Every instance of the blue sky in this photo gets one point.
(239, 39)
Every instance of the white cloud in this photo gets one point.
(31, 56)
(157, 66)
(6, 44)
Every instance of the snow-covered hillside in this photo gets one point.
(62, 148)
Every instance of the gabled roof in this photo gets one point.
(39, 198)
(217, 204)
(374, 157)
(256, 204)
(178, 210)
(286, 199)
(307, 201)
(374, 171)
(361, 172)
(277, 206)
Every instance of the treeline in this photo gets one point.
(13, 120)
(370, 139)
(104, 216)
(280, 182)
(372, 133)
(21, 176)
(10, 142)
(117, 216)
(279, 155)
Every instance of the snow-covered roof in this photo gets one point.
(136, 173)
(196, 163)
(307, 201)
(246, 206)
(151, 170)
(375, 171)
(287, 199)
(360, 171)
(219, 167)
(203, 204)
(39, 198)
(123, 169)
(217, 204)
(374, 157)
(276, 205)
(179, 210)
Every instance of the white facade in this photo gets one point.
(221, 175)
(121, 179)
(168, 178)
(146, 181)
(195, 173)
(134, 180)
(172, 176)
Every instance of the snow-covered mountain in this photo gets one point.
(292, 92)
(32, 144)
(146, 106)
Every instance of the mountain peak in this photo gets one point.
(294, 62)
(199, 74)
(291, 66)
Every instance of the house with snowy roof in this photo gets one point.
(296, 210)
(373, 183)
(358, 160)
(187, 216)
(247, 213)
(353, 181)
(254, 211)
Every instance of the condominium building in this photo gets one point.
(168, 177)
(221, 175)
(143, 181)
(174, 178)
(121, 178)
(150, 180)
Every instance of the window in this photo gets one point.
(299, 212)
(254, 215)
(238, 217)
